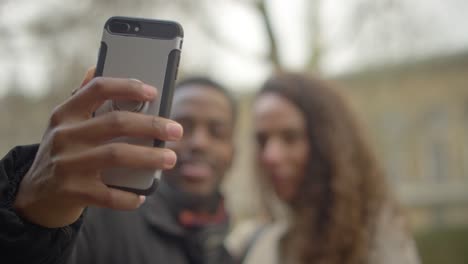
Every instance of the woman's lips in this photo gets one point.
(280, 179)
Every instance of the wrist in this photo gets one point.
(45, 213)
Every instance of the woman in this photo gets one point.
(313, 155)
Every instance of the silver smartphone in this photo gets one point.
(147, 50)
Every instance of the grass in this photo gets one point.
(443, 245)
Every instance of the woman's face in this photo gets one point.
(283, 146)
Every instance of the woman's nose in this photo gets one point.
(273, 152)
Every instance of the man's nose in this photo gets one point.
(200, 138)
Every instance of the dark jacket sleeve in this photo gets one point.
(21, 241)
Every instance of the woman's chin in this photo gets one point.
(284, 195)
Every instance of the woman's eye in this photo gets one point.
(291, 137)
(261, 140)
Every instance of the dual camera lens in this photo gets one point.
(124, 27)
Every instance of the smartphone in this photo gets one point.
(147, 50)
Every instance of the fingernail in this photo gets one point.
(174, 131)
(149, 90)
(142, 199)
(170, 159)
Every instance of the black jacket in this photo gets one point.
(148, 235)
(21, 241)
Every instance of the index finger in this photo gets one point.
(88, 99)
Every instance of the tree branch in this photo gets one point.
(273, 54)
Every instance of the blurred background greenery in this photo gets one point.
(402, 63)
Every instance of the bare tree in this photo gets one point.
(273, 55)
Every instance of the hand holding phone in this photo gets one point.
(77, 149)
(147, 51)
(65, 176)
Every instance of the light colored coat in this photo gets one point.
(392, 243)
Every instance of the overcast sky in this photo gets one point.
(442, 26)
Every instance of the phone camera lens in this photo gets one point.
(119, 27)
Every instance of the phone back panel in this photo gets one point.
(152, 61)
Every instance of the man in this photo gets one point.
(185, 221)
(41, 211)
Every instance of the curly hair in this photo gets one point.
(338, 202)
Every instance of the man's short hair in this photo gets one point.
(208, 82)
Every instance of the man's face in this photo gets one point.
(206, 150)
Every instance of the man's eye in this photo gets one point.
(220, 131)
(187, 126)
